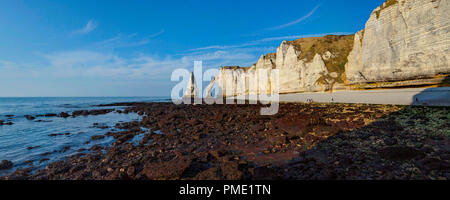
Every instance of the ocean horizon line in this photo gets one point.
(84, 96)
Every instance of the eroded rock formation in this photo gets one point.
(404, 43)
(402, 40)
(303, 65)
(191, 89)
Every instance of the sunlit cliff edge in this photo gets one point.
(405, 43)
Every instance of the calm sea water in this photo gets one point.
(14, 139)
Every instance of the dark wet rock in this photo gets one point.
(128, 125)
(46, 153)
(317, 156)
(434, 164)
(230, 170)
(50, 115)
(146, 139)
(6, 164)
(5, 123)
(100, 125)
(97, 137)
(80, 113)
(122, 137)
(303, 141)
(295, 125)
(212, 173)
(32, 147)
(388, 125)
(172, 169)
(66, 148)
(29, 117)
(63, 114)
(265, 173)
(400, 153)
(390, 141)
(91, 112)
(131, 171)
(78, 155)
(55, 134)
(43, 160)
(445, 156)
(43, 120)
(122, 104)
(96, 147)
(29, 162)
(100, 112)
(20, 174)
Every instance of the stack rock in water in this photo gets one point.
(191, 88)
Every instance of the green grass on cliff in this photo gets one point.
(236, 68)
(386, 4)
(339, 45)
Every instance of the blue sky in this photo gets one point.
(129, 48)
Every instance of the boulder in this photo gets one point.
(29, 117)
(166, 170)
(6, 164)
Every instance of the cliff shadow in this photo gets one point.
(437, 96)
(412, 143)
(406, 142)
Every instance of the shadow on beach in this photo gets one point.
(410, 143)
(439, 96)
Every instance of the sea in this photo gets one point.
(27, 142)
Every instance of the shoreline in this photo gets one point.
(234, 142)
(438, 96)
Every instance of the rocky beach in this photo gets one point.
(369, 104)
(234, 142)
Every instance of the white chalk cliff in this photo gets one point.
(191, 88)
(297, 72)
(403, 40)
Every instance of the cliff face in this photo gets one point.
(402, 40)
(307, 64)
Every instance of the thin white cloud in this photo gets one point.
(297, 20)
(110, 40)
(98, 64)
(7, 64)
(293, 37)
(132, 35)
(157, 34)
(223, 46)
(122, 41)
(89, 27)
(265, 40)
(81, 59)
(9, 69)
